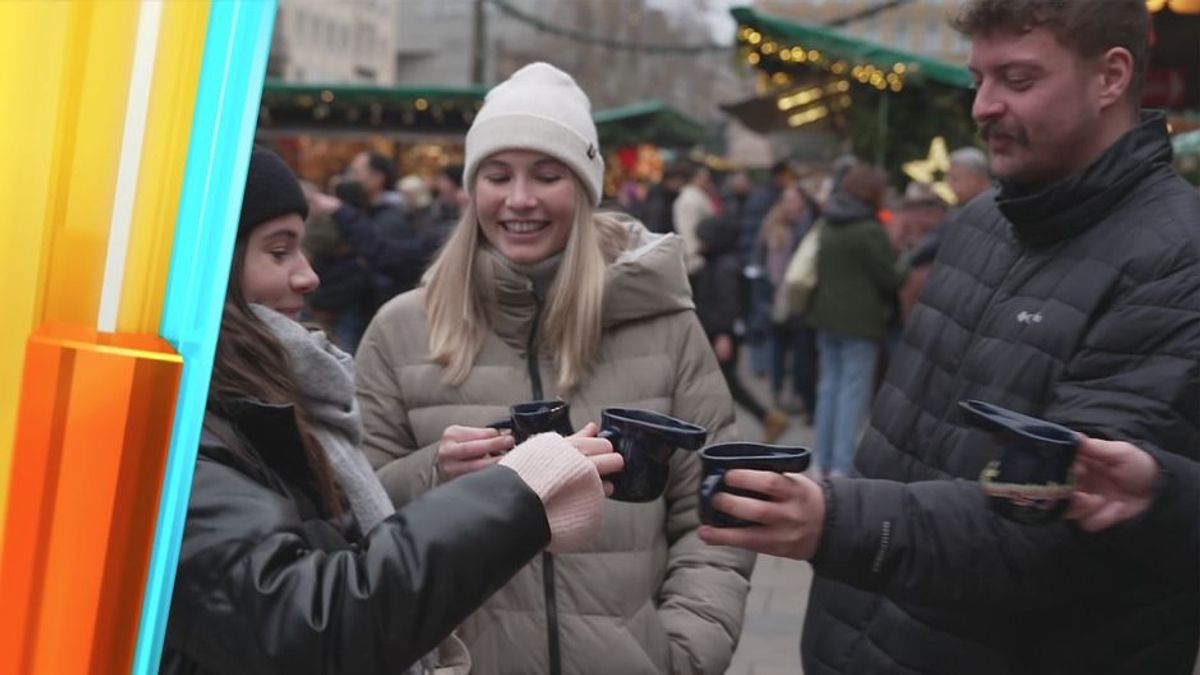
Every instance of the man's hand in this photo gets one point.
(790, 524)
(1115, 482)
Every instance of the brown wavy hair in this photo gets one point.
(251, 363)
(1089, 27)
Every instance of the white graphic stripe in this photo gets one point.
(149, 19)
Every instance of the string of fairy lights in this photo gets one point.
(778, 63)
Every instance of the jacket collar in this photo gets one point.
(844, 208)
(1070, 206)
(646, 280)
(267, 427)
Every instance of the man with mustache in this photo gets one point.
(1071, 293)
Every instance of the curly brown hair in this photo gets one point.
(1089, 27)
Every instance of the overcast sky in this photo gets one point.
(719, 19)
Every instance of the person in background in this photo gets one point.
(658, 212)
(394, 251)
(760, 289)
(537, 295)
(920, 216)
(736, 195)
(418, 203)
(857, 280)
(785, 226)
(719, 295)
(293, 558)
(968, 175)
(449, 196)
(630, 197)
(342, 303)
(693, 205)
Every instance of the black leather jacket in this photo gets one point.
(266, 585)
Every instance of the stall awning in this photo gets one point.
(419, 109)
(648, 122)
(833, 47)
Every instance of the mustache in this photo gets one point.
(991, 128)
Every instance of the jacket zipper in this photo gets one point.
(535, 379)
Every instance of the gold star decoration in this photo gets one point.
(932, 170)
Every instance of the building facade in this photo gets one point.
(920, 26)
(348, 41)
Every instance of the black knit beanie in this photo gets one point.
(271, 191)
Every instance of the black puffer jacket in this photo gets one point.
(266, 585)
(1080, 304)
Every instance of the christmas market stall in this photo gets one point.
(318, 129)
(639, 138)
(888, 105)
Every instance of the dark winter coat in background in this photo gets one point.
(719, 287)
(267, 585)
(396, 253)
(1079, 304)
(857, 273)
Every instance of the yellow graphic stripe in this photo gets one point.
(31, 62)
(91, 116)
(164, 154)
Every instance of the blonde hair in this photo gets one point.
(456, 303)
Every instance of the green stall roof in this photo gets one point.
(648, 122)
(838, 45)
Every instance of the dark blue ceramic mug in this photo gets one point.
(536, 417)
(646, 440)
(720, 458)
(1032, 481)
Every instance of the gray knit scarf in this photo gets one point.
(324, 376)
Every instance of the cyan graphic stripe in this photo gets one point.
(227, 100)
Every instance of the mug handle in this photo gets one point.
(505, 423)
(613, 437)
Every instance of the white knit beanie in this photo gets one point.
(539, 108)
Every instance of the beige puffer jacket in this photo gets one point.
(647, 596)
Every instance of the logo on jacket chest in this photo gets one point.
(1029, 318)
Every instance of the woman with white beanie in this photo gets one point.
(535, 296)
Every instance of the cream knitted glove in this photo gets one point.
(567, 484)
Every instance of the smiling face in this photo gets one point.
(275, 272)
(1038, 104)
(525, 202)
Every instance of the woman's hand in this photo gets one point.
(599, 450)
(465, 450)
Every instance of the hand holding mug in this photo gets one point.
(599, 451)
(465, 450)
(788, 523)
(1115, 482)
